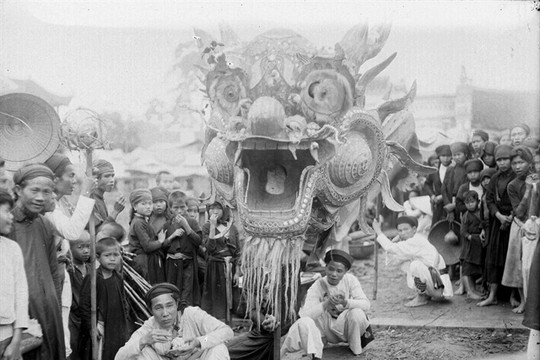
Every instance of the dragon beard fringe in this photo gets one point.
(271, 269)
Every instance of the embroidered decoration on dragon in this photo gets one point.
(288, 143)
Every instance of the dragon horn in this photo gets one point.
(369, 75)
(393, 106)
(406, 160)
(386, 193)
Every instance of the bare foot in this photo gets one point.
(514, 302)
(460, 291)
(487, 302)
(520, 309)
(475, 296)
(419, 300)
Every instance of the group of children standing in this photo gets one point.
(170, 246)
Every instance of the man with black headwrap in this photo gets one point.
(419, 259)
(334, 311)
(34, 188)
(104, 173)
(169, 333)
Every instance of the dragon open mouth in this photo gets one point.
(275, 183)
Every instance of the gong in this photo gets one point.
(28, 130)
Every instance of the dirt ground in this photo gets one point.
(429, 341)
(432, 343)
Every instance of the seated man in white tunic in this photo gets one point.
(425, 267)
(170, 334)
(334, 311)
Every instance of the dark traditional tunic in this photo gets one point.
(454, 178)
(181, 264)
(149, 261)
(101, 214)
(516, 192)
(497, 201)
(112, 309)
(432, 187)
(258, 343)
(158, 222)
(76, 278)
(214, 300)
(34, 234)
(471, 224)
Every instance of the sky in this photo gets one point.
(115, 55)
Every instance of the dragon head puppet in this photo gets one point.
(289, 142)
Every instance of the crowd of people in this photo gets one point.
(490, 189)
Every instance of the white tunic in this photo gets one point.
(317, 326)
(417, 254)
(194, 323)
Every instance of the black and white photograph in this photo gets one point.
(266, 180)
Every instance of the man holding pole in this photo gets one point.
(424, 266)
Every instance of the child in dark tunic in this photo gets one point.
(220, 237)
(183, 240)
(471, 233)
(143, 241)
(80, 251)
(193, 213)
(456, 175)
(112, 308)
(160, 213)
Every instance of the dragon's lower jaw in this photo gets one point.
(275, 190)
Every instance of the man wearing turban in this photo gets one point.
(34, 234)
(424, 266)
(69, 222)
(169, 333)
(104, 173)
(335, 310)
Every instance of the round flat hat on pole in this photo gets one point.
(28, 130)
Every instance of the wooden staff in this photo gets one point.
(93, 302)
(376, 249)
(277, 330)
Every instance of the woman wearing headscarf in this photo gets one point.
(519, 133)
(501, 217)
(479, 138)
(520, 195)
(34, 234)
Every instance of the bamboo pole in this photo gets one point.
(277, 330)
(376, 249)
(93, 302)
